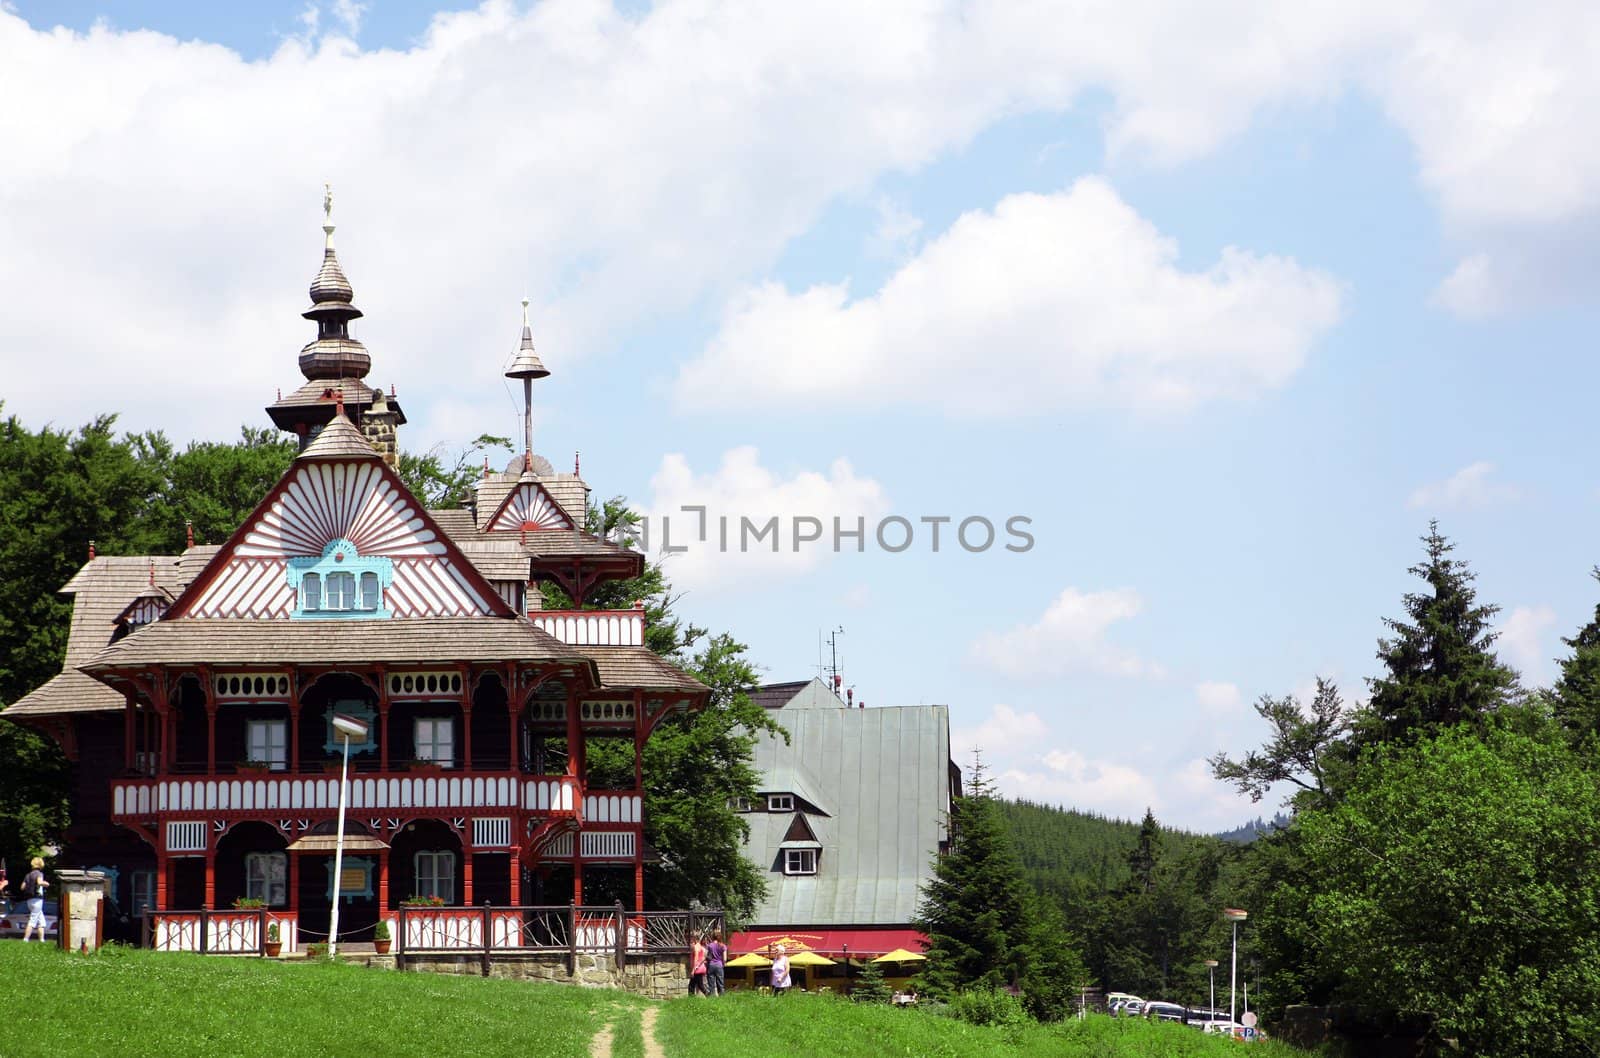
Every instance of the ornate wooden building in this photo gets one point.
(198, 691)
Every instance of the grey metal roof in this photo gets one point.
(886, 774)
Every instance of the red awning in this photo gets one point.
(830, 942)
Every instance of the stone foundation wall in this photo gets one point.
(651, 976)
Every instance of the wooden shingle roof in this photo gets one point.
(102, 589)
(243, 641)
(641, 667)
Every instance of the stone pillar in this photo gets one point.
(82, 897)
(380, 427)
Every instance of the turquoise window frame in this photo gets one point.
(340, 556)
(361, 711)
(367, 865)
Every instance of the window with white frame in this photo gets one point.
(780, 802)
(436, 740)
(266, 877)
(799, 861)
(339, 591)
(436, 875)
(142, 891)
(739, 804)
(267, 740)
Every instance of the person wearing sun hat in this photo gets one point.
(780, 970)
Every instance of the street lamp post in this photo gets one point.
(1236, 916)
(347, 728)
(1211, 965)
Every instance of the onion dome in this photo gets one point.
(334, 354)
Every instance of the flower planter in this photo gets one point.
(381, 946)
(273, 948)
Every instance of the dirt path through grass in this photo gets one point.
(600, 1046)
(652, 1046)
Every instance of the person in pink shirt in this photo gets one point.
(697, 968)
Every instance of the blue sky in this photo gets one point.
(1228, 306)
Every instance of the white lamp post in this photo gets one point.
(1236, 916)
(346, 728)
(1211, 965)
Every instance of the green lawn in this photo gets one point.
(129, 1004)
(126, 1004)
(743, 1024)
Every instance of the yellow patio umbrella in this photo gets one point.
(901, 955)
(810, 958)
(750, 959)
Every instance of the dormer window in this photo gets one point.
(341, 583)
(780, 802)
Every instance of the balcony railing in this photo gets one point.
(147, 798)
(592, 628)
(484, 931)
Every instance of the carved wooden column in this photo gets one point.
(211, 877)
(383, 881)
(211, 736)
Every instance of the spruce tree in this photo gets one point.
(1577, 691)
(869, 985)
(1441, 667)
(975, 909)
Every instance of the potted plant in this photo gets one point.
(248, 903)
(253, 766)
(380, 937)
(274, 945)
(422, 901)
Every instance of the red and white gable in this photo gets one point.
(361, 502)
(529, 507)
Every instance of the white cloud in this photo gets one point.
(1069, 637)
(349, 13)
(1003, 734)
(734, 556)
(1522, 638)
(1469, 488)
(897, 230)
(1068, 777)
(158, 197)
(1218, 697)
(1048, 301)
(1472, 290)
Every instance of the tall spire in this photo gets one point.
(527, 366)
(334, 354)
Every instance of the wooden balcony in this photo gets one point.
(260, 793)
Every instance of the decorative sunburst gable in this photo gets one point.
(530, 507)
(327, 520)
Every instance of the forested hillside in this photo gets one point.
(1065, 851)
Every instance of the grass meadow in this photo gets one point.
(125, 1003)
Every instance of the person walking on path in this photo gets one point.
(716, 964)
(780, 971)
(33, 887)
(697, 967)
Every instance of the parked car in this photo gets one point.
(14, 921)
(1117, 1002)
(1156, 1010)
